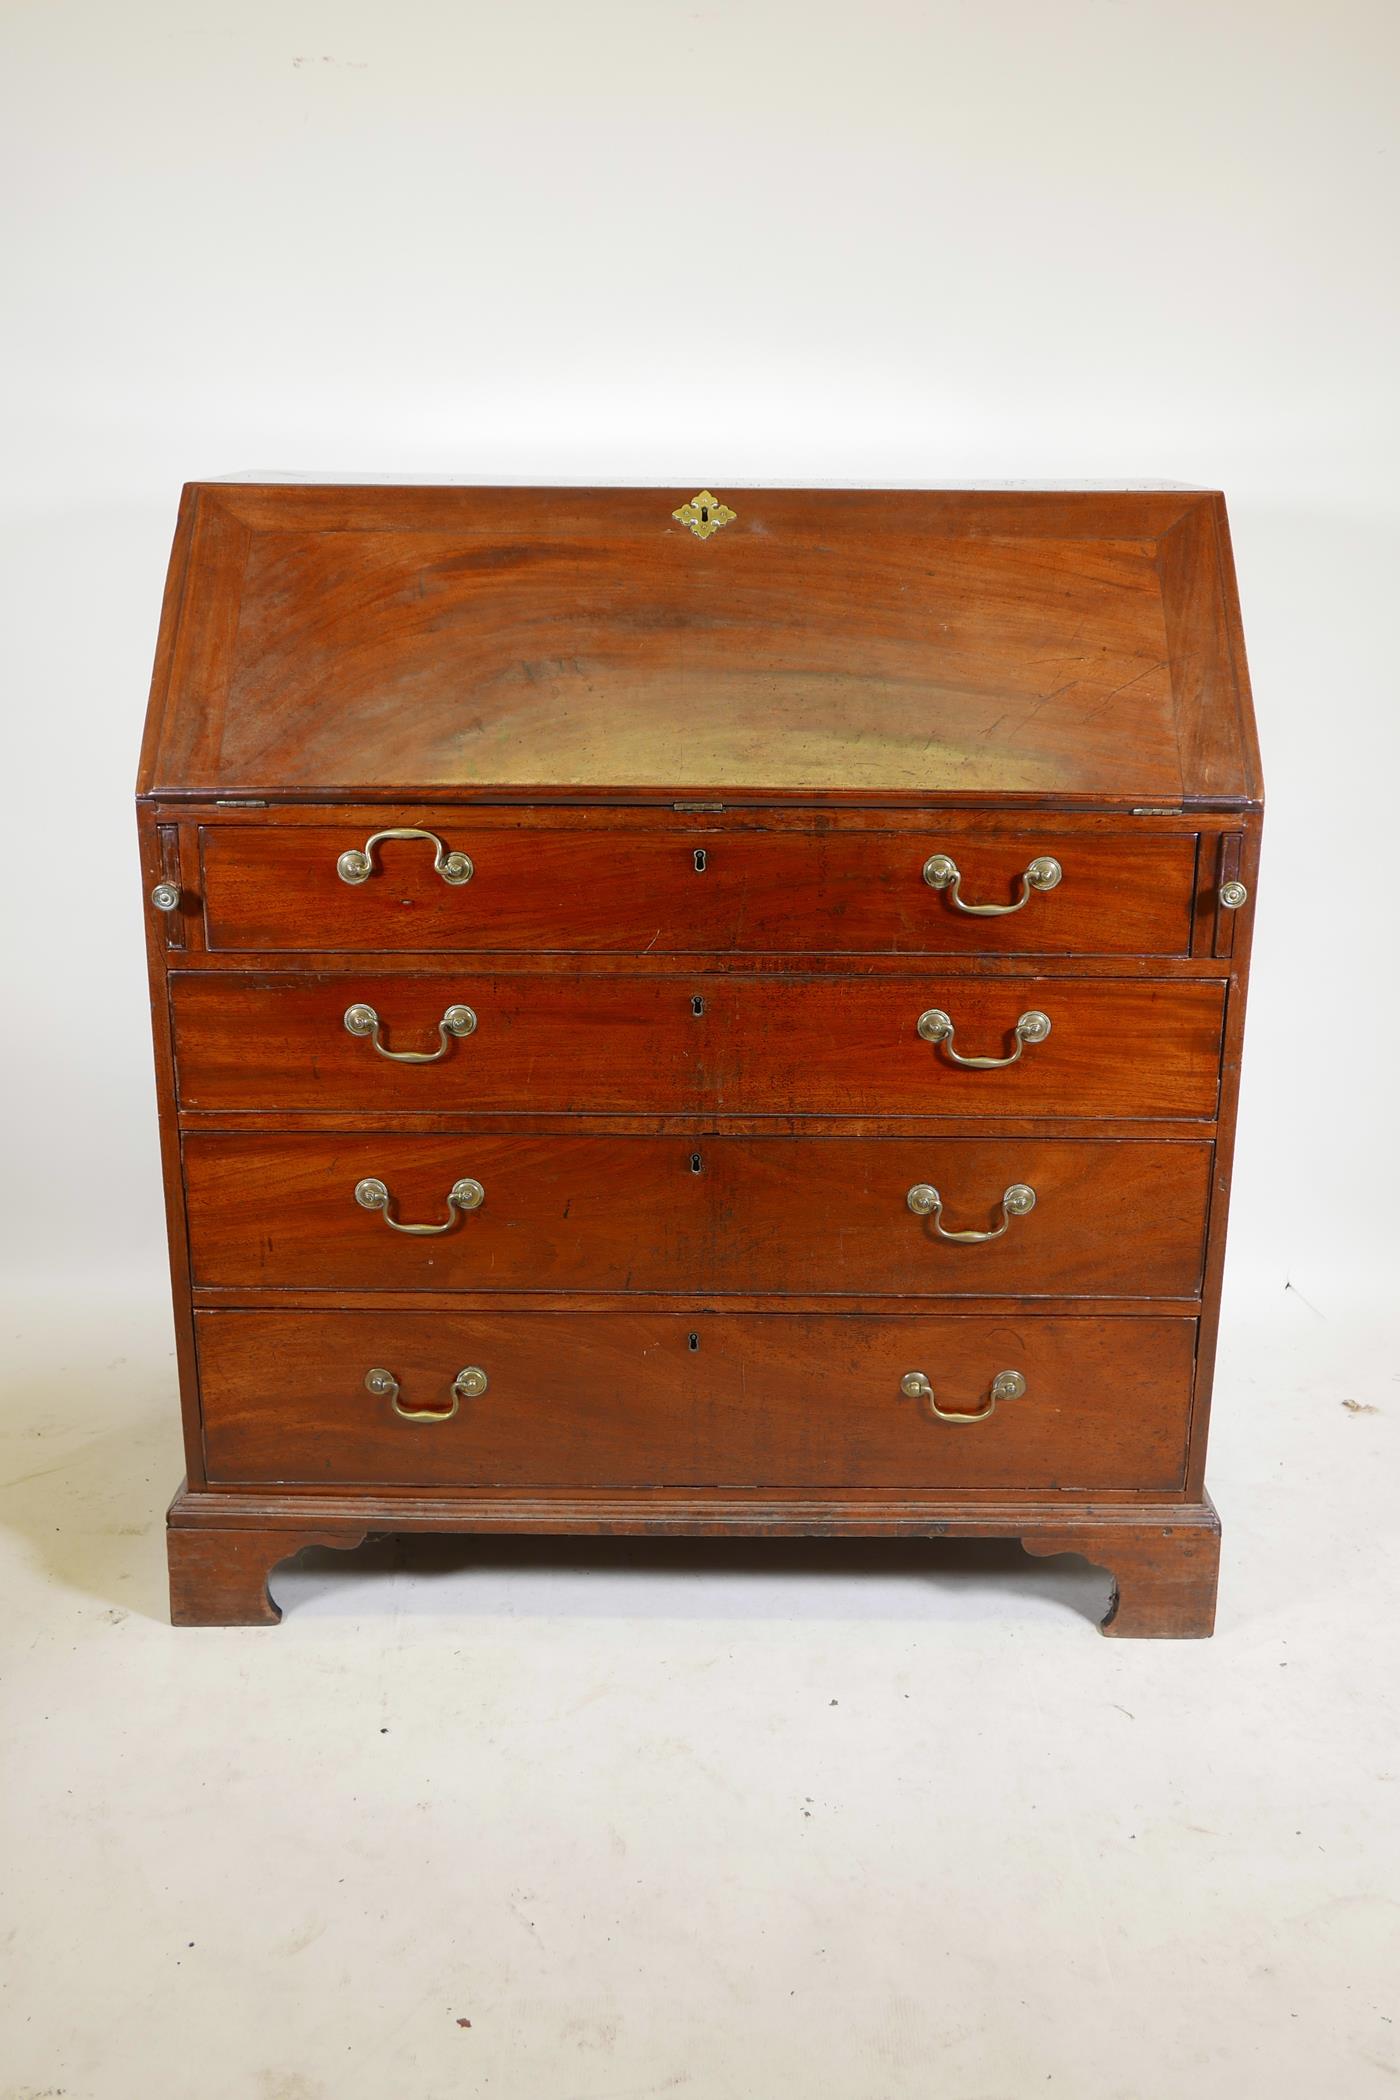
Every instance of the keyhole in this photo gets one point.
(701, 860)
(694, 1341)
(697, 1007)
(704, 514)
(697, 1165)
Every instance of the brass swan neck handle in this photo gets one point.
(371, 1194)
(1007, 1385)
(936, 1027)
(925, 1202)
(362, 1020)
(356, 863)
(941, 872)
(469, 1384)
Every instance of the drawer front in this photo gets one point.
(691, 890)
(700, 1044)
(699, 1215)
(579, 1400)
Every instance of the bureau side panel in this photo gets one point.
(161, 861)
(1216, 1231)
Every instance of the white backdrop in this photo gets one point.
(688, 242)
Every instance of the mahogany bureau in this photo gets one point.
(699, 1014)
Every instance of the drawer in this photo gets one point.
(687, 888)
(578, 1400)
(698, 1215)
(633, 1044)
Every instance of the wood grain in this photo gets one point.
(835, 641)
(590, 1400)
(1165, 1575)
(696, 1215)
(220, 1577)
(681, 888)
(659, 1043)
(1164, 1556)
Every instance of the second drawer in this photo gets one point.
(626, 1043)
(1071, 1217)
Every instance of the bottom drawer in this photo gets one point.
(579, 1400)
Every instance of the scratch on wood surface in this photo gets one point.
(1129, 683)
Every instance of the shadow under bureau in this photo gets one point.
(700, 1015)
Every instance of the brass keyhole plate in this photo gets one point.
(704, 514)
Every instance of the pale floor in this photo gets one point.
(828, 1822)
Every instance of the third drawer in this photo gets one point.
(697, 1215)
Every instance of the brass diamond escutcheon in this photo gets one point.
(704, 514)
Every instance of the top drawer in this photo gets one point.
(690, 888)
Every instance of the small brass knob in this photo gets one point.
(1233, 895)
(166, 896)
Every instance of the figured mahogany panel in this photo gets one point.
(589, 1400)
(845, 642)
(626, 1045)
(806, 1215)
(686, 889)
(656, 1043)
(697, 1215)
(1129, 1048)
